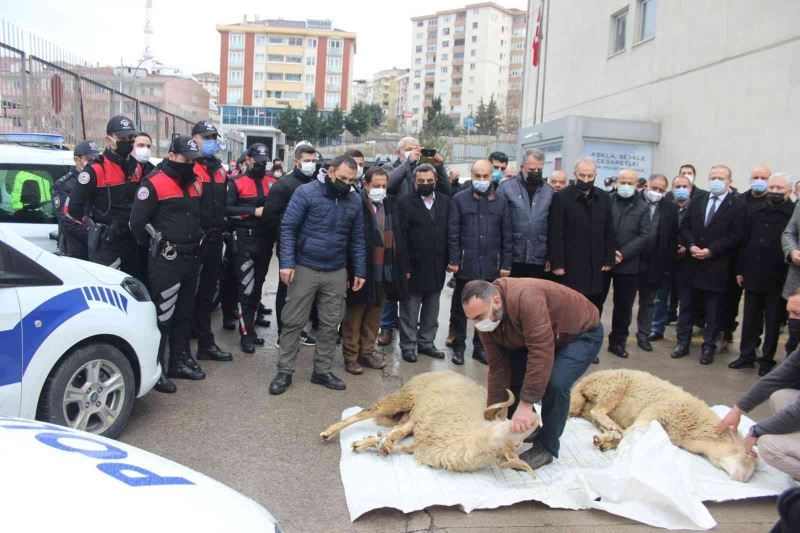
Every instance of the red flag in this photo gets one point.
(537, 37)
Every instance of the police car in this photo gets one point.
(78, 341)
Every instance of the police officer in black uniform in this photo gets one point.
(73, 234)
(210, 173)
(251, 244)
(166, 214)
(103, 194)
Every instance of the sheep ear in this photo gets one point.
(499, 411)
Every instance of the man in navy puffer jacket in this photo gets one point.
(323, 223)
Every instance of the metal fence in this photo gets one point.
(37, 95)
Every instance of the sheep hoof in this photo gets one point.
(364, 444)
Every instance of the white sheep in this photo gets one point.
(452, 427)
(618, 401)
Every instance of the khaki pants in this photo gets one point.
(782, 451)
(360, 328)
(329, 289)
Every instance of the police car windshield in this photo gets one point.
(26, 192)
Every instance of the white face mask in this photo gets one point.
(141, 154)
(308, 168)
(377, 195)
(487, 324)
(654, 196)
(407, 153)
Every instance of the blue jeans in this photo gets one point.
(661, 304)
(569, 364)
(389, 316)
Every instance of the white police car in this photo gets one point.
(78, 341)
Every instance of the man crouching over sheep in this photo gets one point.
(540, 337)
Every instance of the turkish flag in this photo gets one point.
(537, 37)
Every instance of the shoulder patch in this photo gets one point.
(83, 178)
(57, 202)
(143, 193)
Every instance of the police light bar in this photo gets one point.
(32, 138)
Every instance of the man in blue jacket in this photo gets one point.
(479, 246)
(322, 225)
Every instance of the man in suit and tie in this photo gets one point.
(710, 231)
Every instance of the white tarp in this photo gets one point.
(646, 479)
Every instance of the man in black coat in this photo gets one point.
(581, 237)
(658, 257)
(480, 247)
(386, 274)
(423, 223)
(631, 230)
(711, 232)
(761, 270)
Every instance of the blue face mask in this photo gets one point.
(497, 175)
(626, 190)
(681, 194)
(210, 147)
(759, 186)
(481, 186)
(717, 187)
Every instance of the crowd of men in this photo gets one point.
(365, 253)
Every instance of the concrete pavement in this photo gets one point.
(229, 427)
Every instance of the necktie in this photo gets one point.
(712, 210)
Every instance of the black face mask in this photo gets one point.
(775, 198)
(184, 171)
(123, 148)
(534, 178)
(338, 188)
(425, 189)
(583, 186)
(258, 170)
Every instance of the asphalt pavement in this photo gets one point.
(268, 447)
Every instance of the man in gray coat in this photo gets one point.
(529, 200)
(632, 228)
(401, 179)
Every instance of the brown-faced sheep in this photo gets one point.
(452, 427)
(618, 401)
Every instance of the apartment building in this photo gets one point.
(465, 55)
(268, 64)
(384, 91)
(360, 91)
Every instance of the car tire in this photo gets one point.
(73, 395)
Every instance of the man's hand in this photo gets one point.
(259, 211)
(358, 283)
(617, 257)
(694, 250)
(437, 160)
(730, 422)
(740, 280)
(547, 266)
(681, 251)
(524, 418)
(795, 255)
(606, 268)
(287, 275)
(408, 276)
(504, 273)
(414, 156)
(749, 442)
(702, 255)
(453, 268)
(559, 272)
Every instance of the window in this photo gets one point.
(431, 48)
(418, 49)
(308, 97)
(442, 96)
(334, 45)
(418, 61)
(311, 61)
(273, 39)
(292, 95)
(274, 58)
(443, 70)
(236, 40)
(446, 18)
(420, 35)
(274, 94)
(258, 93)
(415, 99)
(619, 23)
(311, 43)
(445, 44)
(294, 59)
(417, 73)
(458, 55)
(474, 39)
(331, 100)
(471, 92)
(234, 95)
(335, 64)
(444, 57)
(235, 59)
(518, 46)
(261, 58)
(474, 25)
(430, 72)
(259, 76)
(261, 40)
(647, 18)
(472, 66)
(310, 79)
(517, 58)
(458, 42)
(333, 79)
(275, 76)
(472, 80)
(473, 53)
(294, 77)
(419, 24)
(235, 77)
(431, 22)
(445, 31)
(416, 86)
(430, 59)
(295, 41)
(444, 83)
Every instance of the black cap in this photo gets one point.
(185, 146)
(86, 148)
(121, 125)
(204, 127)
(259, 152)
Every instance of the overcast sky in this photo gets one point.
(106, 30)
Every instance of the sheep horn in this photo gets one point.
(499, 411)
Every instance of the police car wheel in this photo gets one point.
(92, 390)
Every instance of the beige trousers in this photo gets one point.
(782, 451)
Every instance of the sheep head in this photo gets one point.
(728, 453)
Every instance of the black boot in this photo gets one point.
(248, 344)
(229, 323)
(213, 353)
(165, 385)
(178, 369)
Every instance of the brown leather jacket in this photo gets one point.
(542, 316)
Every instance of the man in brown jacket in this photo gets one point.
(540, 337)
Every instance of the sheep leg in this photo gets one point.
(608, 440)
(365, 443)
(406, 448)
(349, 421)
(397, 433)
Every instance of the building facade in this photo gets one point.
(462, 56)
(719, 78)
(268, 65)
(384, 91)
(360, 91)
(210, 83)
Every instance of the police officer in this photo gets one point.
(104, 192)
(251, 244)
(210, 173)
(167, 214)
(73, 233)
